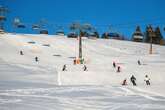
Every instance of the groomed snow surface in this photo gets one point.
(29, 85)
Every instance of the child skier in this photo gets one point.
(118, 69)
(133, 79)
(139, 63)
(124, 82)
(85, 68)
(64, 68)
(147, 80)
(36, 59)
(114, 64)
(74, 61)
(21, 52)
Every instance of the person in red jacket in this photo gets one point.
(124, 82)
(118, 69)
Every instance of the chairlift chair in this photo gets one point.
(43, 31)
(61, 33)
(35, 27)
(2, 31)
(72, 35)
(2, 18)
(92, 35)
(21, 25)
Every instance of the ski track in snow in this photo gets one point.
(85, 97)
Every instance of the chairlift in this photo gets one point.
(60, 32)
(72, 35)
(21, 25)
(2, 18)
(18, 24)
(3, 11)
(92, 35)
(16, 21)
(44, 32)
(2, 31)
(35, 26)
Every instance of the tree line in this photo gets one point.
(151, 35)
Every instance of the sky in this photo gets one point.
(120, 16)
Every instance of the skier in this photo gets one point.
(85, 68)
(124, 82)
(139, 63)
(118, 69)
(114, 64)
(36, 59)
(133, 79)
(147, 80)
(64, 68)
(74, 61)
(21, 52)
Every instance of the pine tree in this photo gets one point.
(138, 29)
(105, 35)
(137, 35)
(149, 33)
(97, 34)
(158, 35)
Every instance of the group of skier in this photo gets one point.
(65, 68)
(118, 67)
(36, 58)
(133, 80)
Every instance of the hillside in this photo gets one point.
(21, 75)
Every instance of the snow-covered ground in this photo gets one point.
(26, 84)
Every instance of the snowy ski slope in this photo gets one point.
(26, 84)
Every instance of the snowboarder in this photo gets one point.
(124, 82)
(36, 59)
(21, 52)
(147, 80)
(85, 68)
(114, 64)
(118, 69)
(139, 63)
(64, 68)
(133, 79)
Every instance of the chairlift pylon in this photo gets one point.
(3, 11)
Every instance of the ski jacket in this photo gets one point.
(146, 79)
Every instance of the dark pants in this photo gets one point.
(148, 82)
(133, 82)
